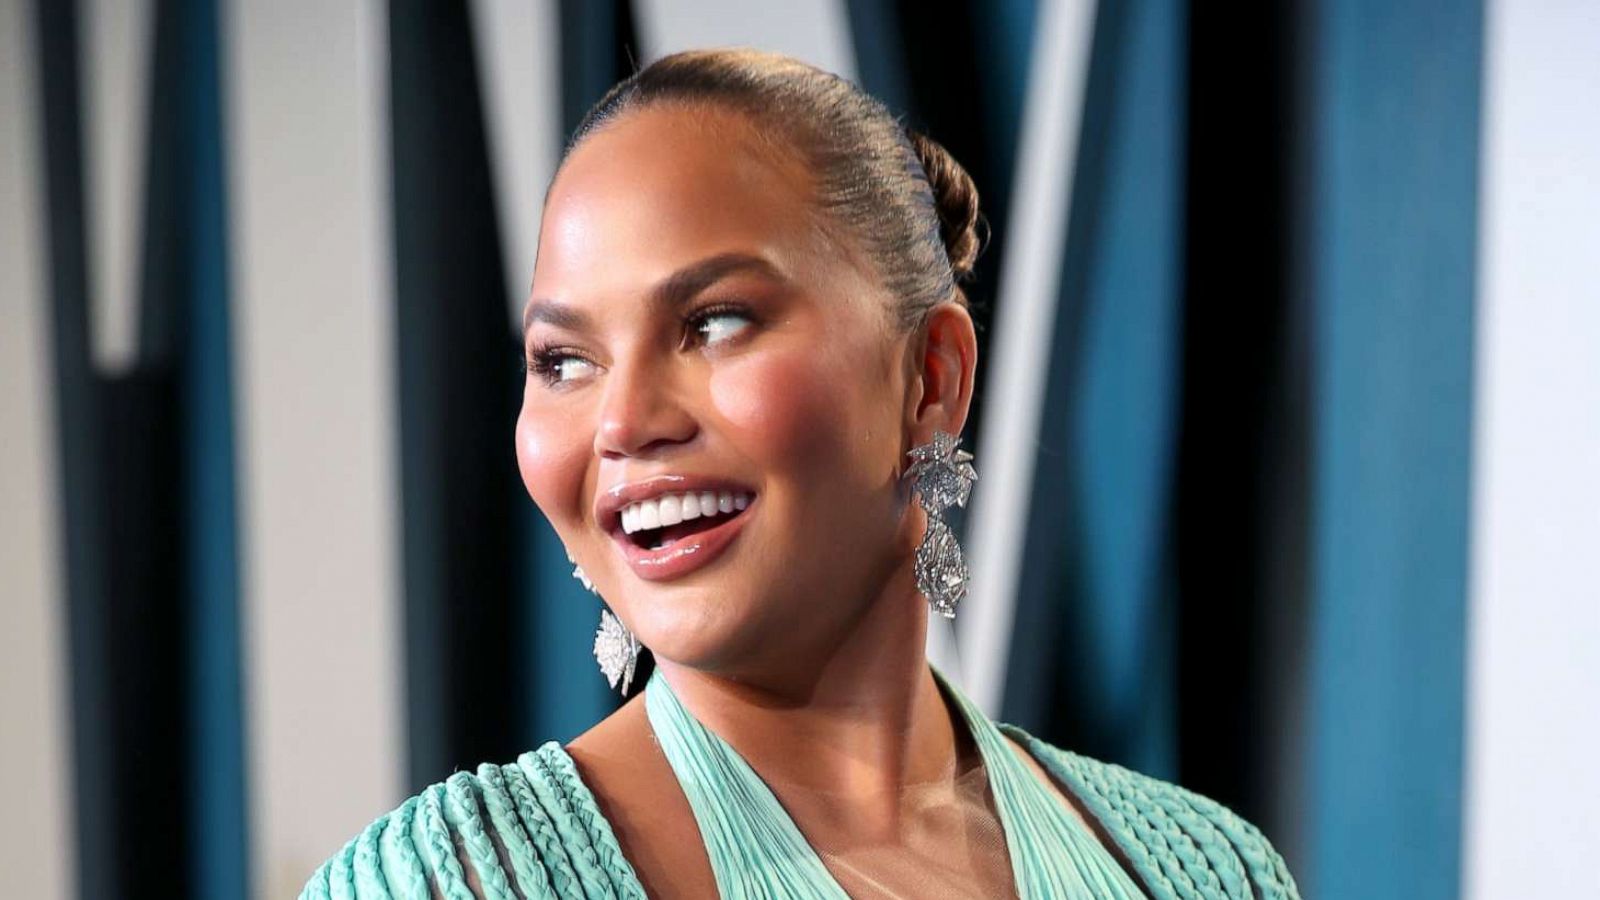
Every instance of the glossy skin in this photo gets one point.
(802, 644)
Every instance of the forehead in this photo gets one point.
(666, 186)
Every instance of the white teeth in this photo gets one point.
(670, 509)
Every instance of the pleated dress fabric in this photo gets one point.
(532, 829)
(757, 851)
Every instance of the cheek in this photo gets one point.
(553, 460)
(800, 410)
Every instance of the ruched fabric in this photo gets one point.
(532, 829)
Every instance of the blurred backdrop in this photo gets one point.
(1288, 423)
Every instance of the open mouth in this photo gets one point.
(660, 522)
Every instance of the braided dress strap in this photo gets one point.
(1180, 843)
(368, 880)
(542, 833)
(526, 831)
(532, 879)
(402, 864)
(618, 871)
(1267, 869)
(461, 811)
(437, 846)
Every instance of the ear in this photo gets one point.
(945, 360)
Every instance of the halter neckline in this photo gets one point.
(757, 850)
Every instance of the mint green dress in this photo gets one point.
(532, 829)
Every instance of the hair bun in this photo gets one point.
(956, 199)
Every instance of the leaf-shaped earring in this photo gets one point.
(617, 651)
(615, 647)
(942, 476)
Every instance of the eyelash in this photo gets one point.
(693, 321)
(544, 360)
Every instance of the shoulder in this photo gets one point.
(525, 829)
(635, 786)
(1177, 839)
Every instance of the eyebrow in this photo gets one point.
(675, 290)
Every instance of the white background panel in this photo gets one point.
(314, 337)
(116, 44)
(1028, 293)
(519, 68)
(816, 31)
(37, 844)
(1532, 816)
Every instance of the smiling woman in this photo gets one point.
(747, 352)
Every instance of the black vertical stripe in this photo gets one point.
(77, 403)
(598, 49)
(929, 62)
(458, 393)
(1045, 682)
(121, 467)
(1241, 513)
(880, 51)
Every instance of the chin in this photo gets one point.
(754, 608)
(699, 629)
(708, 617)
(717, 627)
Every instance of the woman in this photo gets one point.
(747, 354)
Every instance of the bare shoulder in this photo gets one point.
(637, 792)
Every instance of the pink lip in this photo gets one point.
(684, 555)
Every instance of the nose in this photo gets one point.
(641, 412)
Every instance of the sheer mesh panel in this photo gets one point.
(947, 843)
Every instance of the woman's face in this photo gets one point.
(690, 332)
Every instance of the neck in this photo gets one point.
(863, 716)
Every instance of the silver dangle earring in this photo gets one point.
(942, 476)
(617, 651)
(615, 647)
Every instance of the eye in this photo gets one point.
(556, 365)
(720, 323)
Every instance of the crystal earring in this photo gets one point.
(583, 578)
(942, 476)
(615, 647)
(617, 651)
